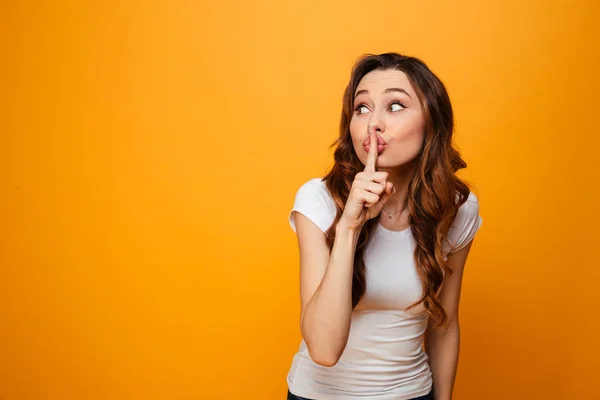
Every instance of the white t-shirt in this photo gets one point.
(384, 358)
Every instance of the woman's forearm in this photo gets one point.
(326, 321)
(442, 345)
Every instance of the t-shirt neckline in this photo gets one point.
(392, 235)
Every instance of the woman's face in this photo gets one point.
(386, 103)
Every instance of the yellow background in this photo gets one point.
(151, 151)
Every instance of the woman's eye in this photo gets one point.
(395, 106)
(398, 107)
(360, 107)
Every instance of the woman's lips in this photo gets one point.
(380, 148)
(381, 144)
(380, 141)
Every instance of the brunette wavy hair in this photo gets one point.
(435, 193)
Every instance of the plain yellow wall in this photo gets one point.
(151, 151)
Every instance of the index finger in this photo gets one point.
(372, 155)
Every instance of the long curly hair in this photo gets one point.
(435, 193)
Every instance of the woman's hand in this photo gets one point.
(370, 191)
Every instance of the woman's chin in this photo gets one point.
(389, 163)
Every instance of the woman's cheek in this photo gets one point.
(355, 132)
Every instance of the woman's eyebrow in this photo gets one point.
(386, 91)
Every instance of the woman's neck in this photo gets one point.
(400, 177)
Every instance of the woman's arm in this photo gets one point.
(325, 289)
(442, 344)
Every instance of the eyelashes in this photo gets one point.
(360, 105)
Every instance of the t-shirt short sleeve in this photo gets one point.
(465, 225)
(314, 201)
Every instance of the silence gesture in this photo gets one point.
(370, 191)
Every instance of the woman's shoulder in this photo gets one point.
(314, 200)
(315, 188)
(469, 209)
(466, 223)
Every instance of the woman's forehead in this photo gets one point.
(382, 80)
(377, 81)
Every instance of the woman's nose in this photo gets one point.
(375, 125)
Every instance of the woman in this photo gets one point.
(383, 239)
